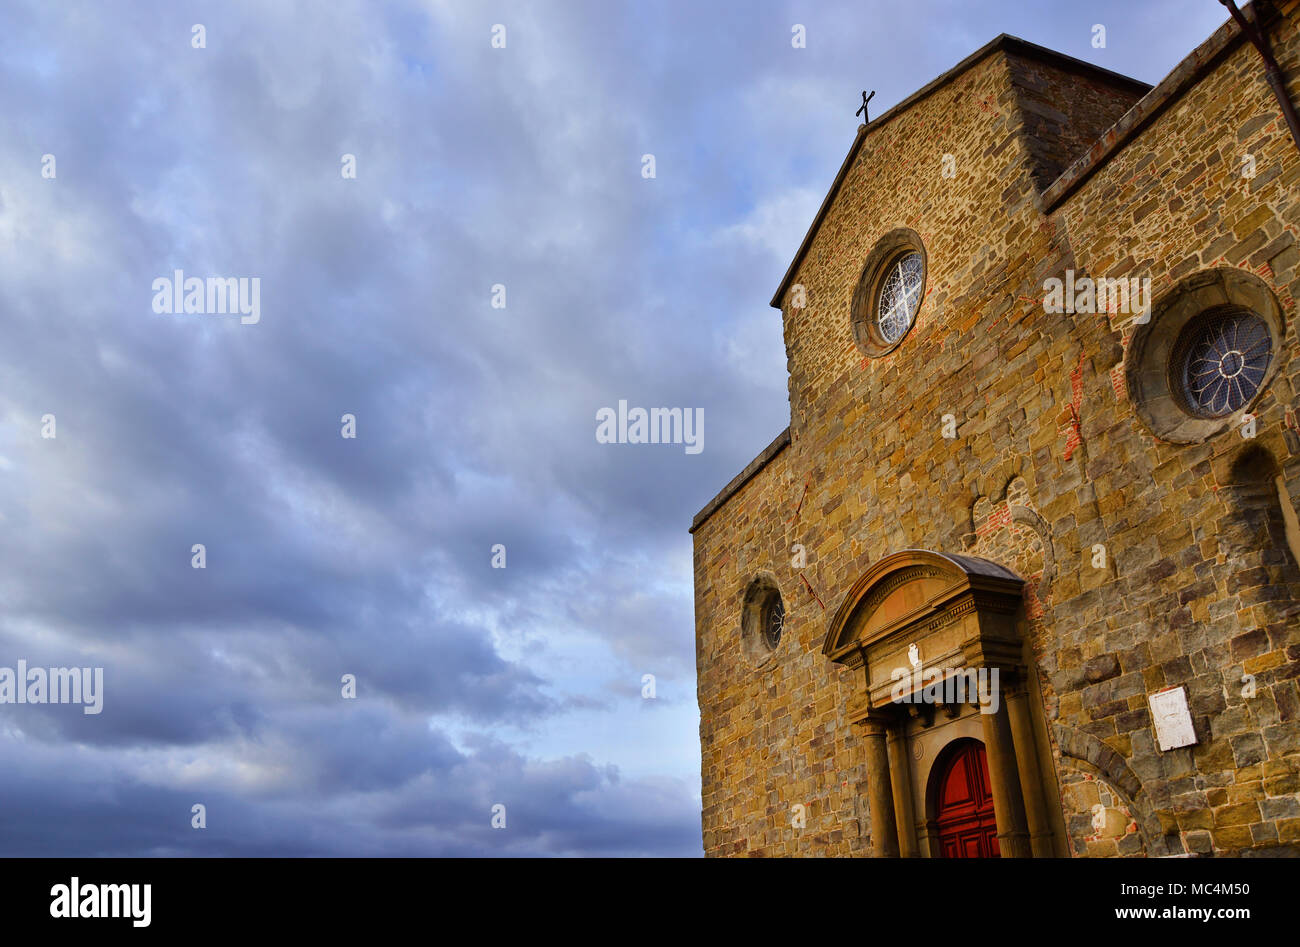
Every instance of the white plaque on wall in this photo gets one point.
(1172, 718)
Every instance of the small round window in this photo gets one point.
(762, 619)
(900, 295)
(889, 293)
(1221, 358)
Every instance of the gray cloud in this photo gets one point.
(476, 425)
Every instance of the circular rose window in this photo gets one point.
(1222, 358)
(888, 296)
(1207, 352)
(900, 295)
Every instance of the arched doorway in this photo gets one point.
(961, 801)
(935, 643)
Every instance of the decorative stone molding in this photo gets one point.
(937, 617)
(1149, 367)
(1007, 528)
(1087, 754)
(759, 596)
(862, 311)
(909, 590)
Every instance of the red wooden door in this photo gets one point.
(967, 828)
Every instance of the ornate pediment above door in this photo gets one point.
(916, 609)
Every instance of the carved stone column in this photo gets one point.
(1016, 694)
(900, 778)
(1008, 804)
(884, 829)
(994, 652)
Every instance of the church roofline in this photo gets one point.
(1169, 90)
(781, 442)
(1003, 43)
(1156, 99)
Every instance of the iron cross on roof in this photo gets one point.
(863, 111)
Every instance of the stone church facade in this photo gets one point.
(1021, 577)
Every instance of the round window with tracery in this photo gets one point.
(762, 620)
(1222, 357)
(900, 295)
(1207, 352)
(887, 300)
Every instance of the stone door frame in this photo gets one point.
(952, 613)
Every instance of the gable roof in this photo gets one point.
(1003, 43)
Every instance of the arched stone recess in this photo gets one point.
(993, 485)
(1258, 531)
(958, 810)
(1007, 527)
(1119, 793)
(1098, 820)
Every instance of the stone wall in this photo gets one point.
(1205, 590)
(1049, 461)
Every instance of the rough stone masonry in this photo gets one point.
(1157, 548)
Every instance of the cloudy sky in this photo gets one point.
(475, 425)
